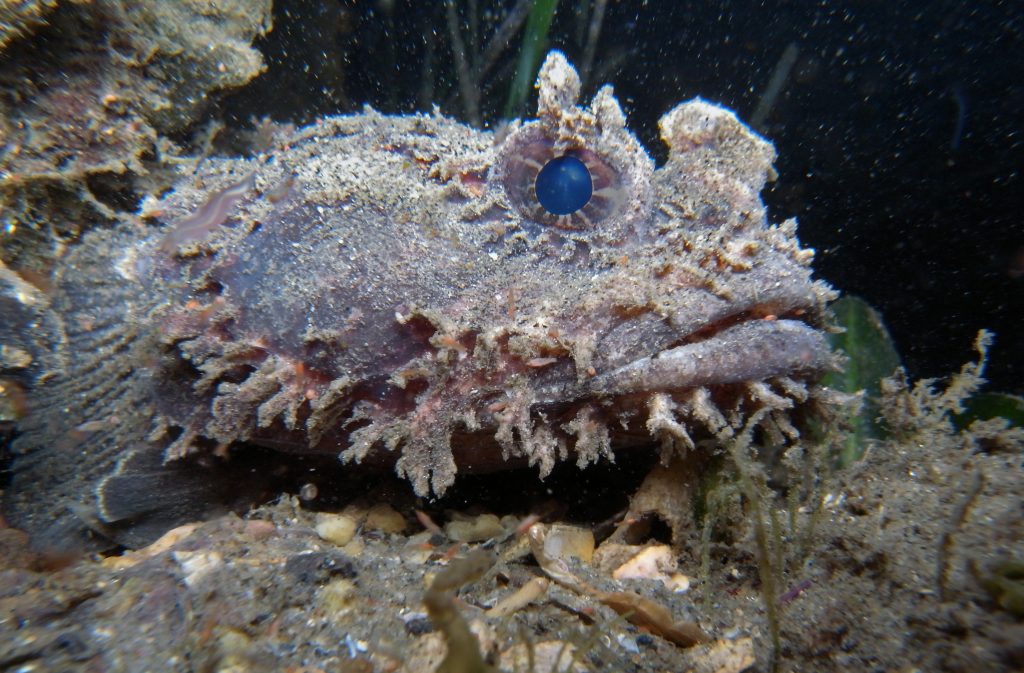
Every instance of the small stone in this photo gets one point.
(610, 555)
(419, 548)
(723, 656)
(385, 518)
(476, 529)
(656, 562)
(308, 492)
(235, 649)
(356, 547)
(425, 654)
(165, 542)
(418, 625)
(12, 357)
(566, 542)
(260, 528)
(338, 595)
(338, 529)
(678, 583)
(649, 563)
(319, 567)
(628, 643)
(198, 564)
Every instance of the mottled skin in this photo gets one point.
(389, 291)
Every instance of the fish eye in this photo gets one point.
(564, 185)
(575, 189)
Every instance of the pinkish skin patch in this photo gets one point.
(208, 216)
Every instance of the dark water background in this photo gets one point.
(899, 126)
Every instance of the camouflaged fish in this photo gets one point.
(412, 291)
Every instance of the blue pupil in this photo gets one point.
(564, 185)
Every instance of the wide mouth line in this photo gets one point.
(733, 351)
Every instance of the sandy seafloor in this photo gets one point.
(266, 592)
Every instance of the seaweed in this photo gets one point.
(988, 406)
(1005, 584)
(781, 498)
(870, 356)
(463, 655)
(753, 485)
(534, 41)
(920, 413)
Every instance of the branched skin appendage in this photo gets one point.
(392, 290)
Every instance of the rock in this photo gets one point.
(566, 542)
(476, 529)
(338, 529)
(385, 518)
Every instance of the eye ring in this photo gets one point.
(524, 159)
(620, 182)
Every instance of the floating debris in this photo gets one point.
(635, 608)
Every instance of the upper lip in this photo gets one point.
(748, 351)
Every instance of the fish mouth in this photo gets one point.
(693, 387)
(751, 350)
(759, 337)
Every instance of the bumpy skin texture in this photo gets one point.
(386, 289)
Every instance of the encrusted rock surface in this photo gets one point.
(91, 92)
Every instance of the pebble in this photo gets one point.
(338, 529)
(476, 529)
(385, 518)
(338, 595)
(565, 542)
